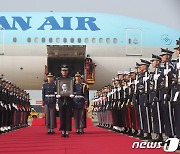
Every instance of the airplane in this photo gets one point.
(32, 42)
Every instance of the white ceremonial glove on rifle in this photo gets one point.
(71, 96)
(145, 78)
(166, 72)
(58, 96)
(136, 82)
(156, 76)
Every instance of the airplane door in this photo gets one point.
(2, 33)
(133, 42)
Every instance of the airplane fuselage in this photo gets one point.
(114, 42)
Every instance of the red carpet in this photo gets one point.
(34, 140)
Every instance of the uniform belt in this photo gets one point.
(50, 95)
(78, 96)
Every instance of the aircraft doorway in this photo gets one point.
(73, 56)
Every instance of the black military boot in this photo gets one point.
(125, 130)
(63, 134)
(49, 131)
(130, 133)
(147, 137)
(135, 133)
(52, 131)
(140, 134)
(158, 138)
(67, 134)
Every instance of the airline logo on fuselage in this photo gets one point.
(50, 23)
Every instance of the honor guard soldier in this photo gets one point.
(115, 110)
(143, 87)
(154, 99)
(81, 96)
(49, 99)
(85, 90)
(120, 75)
(165, 84)
(133, 113)
(126, 107)
(176, 91)
(137, 107)
(109, 108)
(65, 105)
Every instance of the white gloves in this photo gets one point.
(58, 96)
(166, 72)
(156, 76)
(71, 96)
(145, 78)
(136, 82)
(129, 84)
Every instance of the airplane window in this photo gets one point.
(43, 40)
(72, 40)
(57, 40)
(14, 39)
(93, 40)
(29, 40)
(65, 40)
(101, 40)
(36, 40)
(86, 40)
(50, 40)
(115, 40)
(79, 40)
(108, 40)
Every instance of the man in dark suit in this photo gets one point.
(65, 106)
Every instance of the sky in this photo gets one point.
(160, 11)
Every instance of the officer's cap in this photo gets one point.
(137, 65)
(120, 73)
(145, 62)
(155, 57)
(77, 74)
(126, 73)
(50, 75)
(132, 71)
(64, 68)
(166, 52)
(177, 44)
(115, 79)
